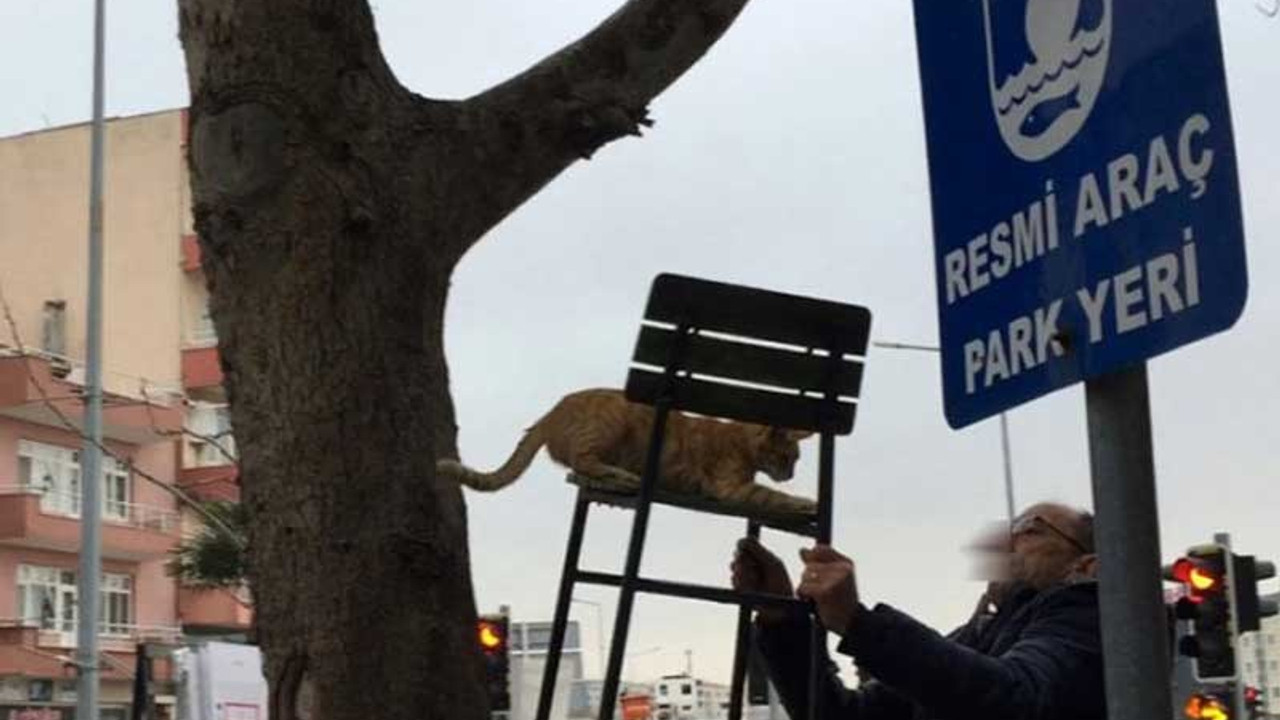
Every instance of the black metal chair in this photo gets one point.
(738, 353)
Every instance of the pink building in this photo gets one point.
(161, 376)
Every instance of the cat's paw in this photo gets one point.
(618, 481)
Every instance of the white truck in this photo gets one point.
(220, 681)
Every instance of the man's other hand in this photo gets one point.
(755, 569)
(829, 581)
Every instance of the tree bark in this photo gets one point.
(332, 206)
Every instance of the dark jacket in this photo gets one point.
(1037, 658)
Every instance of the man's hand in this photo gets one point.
(829, 581)
(755, 569)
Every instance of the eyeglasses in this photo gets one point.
(1028, 523)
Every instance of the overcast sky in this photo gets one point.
(792, 157)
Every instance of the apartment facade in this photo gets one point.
(529, 643)
(164, 420)
(684, 697)
(1259, 655)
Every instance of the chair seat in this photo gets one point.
(605, 492)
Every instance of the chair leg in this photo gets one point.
(817, 657)
(742, 646)
(622, 621)
(567, 578)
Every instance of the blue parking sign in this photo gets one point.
(1086, 208)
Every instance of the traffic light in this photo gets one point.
(1250, 609)
(1208, 706)
(492, 633)
(1206, 573)
(1254, 701)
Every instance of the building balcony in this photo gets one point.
(50, 391)
(210, 483)
(214, 609)
(201, 368)
(190, 253)
(28, 649)
(51, 521)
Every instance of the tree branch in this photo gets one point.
(528, 129)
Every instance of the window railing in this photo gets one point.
(116, 512)
(203, 333)
(105, 629)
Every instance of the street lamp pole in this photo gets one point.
(88, 587)
(1008, 466)
(1005, 452)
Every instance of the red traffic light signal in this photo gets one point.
(1199, 577)
(1254, 701)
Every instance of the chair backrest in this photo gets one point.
(752, 355)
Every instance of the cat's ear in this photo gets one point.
(798, 435)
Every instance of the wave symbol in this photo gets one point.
(1070, 63)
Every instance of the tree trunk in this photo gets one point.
(332, 205)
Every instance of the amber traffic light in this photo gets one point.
(1206, 574)
(492, 632)
(1202, 706)
(492, 636)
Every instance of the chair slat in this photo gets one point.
(761, 314)
(745, 404)
(751, 363)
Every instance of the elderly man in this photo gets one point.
(1031, 651)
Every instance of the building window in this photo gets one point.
(213, 443)
(40, 595)
(53, 336)
(117, 595)
(538, 637)
(54, 472)
(686, 689)
(115, 491)
(204, 332)
(47, 600)
(662, 691)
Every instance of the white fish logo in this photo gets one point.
(1042, 92)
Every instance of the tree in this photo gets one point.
(332, 205)
(214, 557)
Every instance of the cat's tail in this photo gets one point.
(526, 450)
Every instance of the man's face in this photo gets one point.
(1045, 546)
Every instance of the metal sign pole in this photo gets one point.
(1134, 636)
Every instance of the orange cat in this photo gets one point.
(598, 433)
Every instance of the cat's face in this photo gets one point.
(778, 451)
